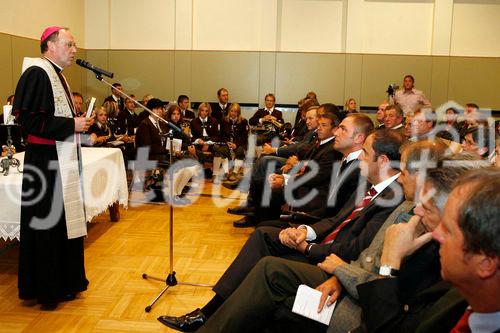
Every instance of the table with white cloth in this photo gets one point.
(104, 184)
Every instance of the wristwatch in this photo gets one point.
(386, 270)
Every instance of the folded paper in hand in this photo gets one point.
(307, 302)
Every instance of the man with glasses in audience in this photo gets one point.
(346, 235)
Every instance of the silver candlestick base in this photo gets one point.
(9, 161)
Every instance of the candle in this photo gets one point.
(8, 119)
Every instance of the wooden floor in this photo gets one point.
(116, 255)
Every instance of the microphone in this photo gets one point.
(97, 70)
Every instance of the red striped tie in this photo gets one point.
(359, 207)
(462, 325)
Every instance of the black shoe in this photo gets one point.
(187, 323)
(245, 222)
(231, 185)
(241, 210)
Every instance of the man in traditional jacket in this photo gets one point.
(51, 265)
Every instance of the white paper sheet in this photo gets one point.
(307, 302)
(91, 107)
(177, 144)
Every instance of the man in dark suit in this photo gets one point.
(276, 159)
(380, 115)
(400, 302)
(313, 174)
(126, 124)
(116, 96)
(349, 139)
(186, 113)
(394, 118)
(149, 130)
(127, 119)
(273, 281)
(270, 117)
(149, 135)
(469, 249)
(221, 108)
(346, 235)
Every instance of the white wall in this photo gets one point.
(28, 18)
(412, 27)
(390, 27)
(476, 29)
(418, 27)
(311, 26)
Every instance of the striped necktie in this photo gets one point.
(359, 207)
(462, 325)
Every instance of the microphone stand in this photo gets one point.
(172, 126)
(170, 280)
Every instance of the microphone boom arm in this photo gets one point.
(169, 124)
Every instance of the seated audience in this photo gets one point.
(112, 112)
(394, 117)
(99, 131)
(205, 133)
(349, 140)
(309, 96)
(350, 106)
(420, 125)
(116, 96)
(450, 128)
(125, 126)
(151, 133)
(270, 117)
(127, 120)
(473, 117)
(234, 133)
(78, 103)
(312, 172)
(477, 141)
(380, 115)
(183, 103)
(273, 282)
(144, 114)
(300, 129)
(174, 116)
(265, 165)
(469, 250)
(220, 109)
(346, 235)
(146, 98)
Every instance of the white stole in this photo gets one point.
(67, 154)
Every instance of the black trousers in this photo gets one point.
(263, 242)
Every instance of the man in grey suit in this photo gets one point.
(272, 284)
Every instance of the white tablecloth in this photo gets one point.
(104, 179)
